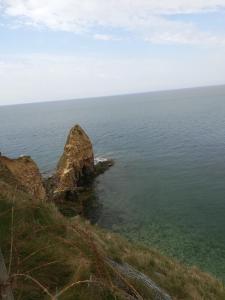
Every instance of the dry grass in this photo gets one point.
(52, 257)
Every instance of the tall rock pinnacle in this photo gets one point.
(77, 162)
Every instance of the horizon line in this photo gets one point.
(115, 95)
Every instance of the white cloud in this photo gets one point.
(48, 77)
(186, 37)
(147, 18)
(105, 37)
(102, 10)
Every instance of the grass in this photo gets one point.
(54, 257)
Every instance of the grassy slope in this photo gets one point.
(58, 252)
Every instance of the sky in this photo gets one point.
(66, 49)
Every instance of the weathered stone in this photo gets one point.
(76, 165)
(102, 166)
(75, 172)
(27, 174)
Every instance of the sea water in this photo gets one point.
(167, 187)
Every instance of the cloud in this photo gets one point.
(160, 30)
(144, 18)
(55, 77)
(105, 37)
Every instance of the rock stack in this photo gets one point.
(76, 165)
(75, 170)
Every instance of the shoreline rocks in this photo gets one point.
(102, 166)
(74, 175)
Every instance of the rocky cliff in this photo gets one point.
(23, 172)
(75, 170)
(76, 164)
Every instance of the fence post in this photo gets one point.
(5, 288)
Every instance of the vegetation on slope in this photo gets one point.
(54, 255)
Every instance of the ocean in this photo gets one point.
(167, 187)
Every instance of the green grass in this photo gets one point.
(58, 252)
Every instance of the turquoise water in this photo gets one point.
(167, 187)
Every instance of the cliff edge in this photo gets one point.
(74, 171)
(24, 172)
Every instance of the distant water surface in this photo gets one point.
(167, 188)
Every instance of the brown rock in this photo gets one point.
(76, 164)
(26, 173)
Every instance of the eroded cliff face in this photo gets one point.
(24, 172)
(74, 172)
(76, 164)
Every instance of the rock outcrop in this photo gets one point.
(76, 165)
(25, 172)
(75, 171)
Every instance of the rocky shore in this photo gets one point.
(73, 176)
